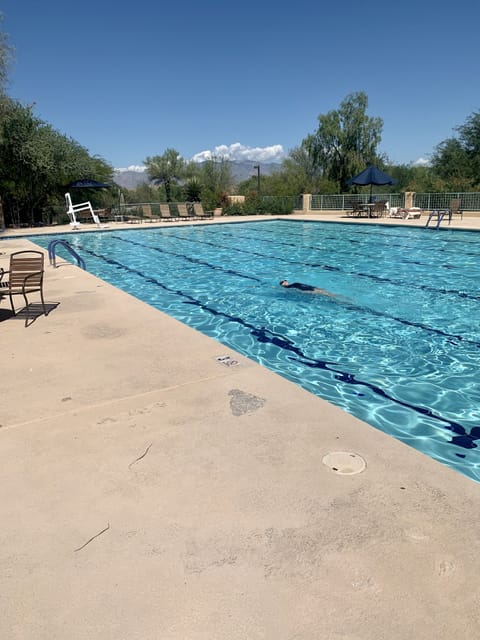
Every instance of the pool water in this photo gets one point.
(398, 346)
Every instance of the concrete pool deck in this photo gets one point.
(151, 491)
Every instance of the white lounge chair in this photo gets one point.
(413, 212)
(405, 214)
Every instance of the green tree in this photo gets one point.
(215, 177)
(143, 192)
(456, 161)
(345, 140)
(469, 134)
(166, 170)
(36, 164)
(300, 165)
(300, 174)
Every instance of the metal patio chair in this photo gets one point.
(455, 208)
(379, 209)
(25, 276)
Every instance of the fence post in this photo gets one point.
(409, 196)
(306, 200)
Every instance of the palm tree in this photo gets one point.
(166, 169)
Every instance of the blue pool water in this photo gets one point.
(399, 348)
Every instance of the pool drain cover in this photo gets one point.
(344, 463)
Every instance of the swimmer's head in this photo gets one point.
(284, 283)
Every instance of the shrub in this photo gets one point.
(265, 205)
(234, 209)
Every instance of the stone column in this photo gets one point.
(409, 195)
(306, 200)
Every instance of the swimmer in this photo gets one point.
(307, 288)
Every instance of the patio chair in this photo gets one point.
(357, 210)
(455, 208)
(199, 212)
(379, 209)
(24, 276)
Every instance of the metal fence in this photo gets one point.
(468, 201)
(345, 201)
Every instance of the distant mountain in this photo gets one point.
(129, 179)
(244, 170)
(240, 171)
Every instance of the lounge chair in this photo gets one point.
(405, 214)
(166, 214)
(413, 212)
(147, 213)
(132, 214)
(24, 276)
(199, 212)
(183, 212)
(395, 212)
(455, 208)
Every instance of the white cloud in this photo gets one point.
(237, 152)
(133, 167)
(421, 162)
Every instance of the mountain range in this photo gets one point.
(240, 171)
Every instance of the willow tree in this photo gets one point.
(166, 169)
(345, 141)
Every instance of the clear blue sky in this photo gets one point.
(129, 80)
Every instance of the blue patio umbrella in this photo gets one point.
(372, 176)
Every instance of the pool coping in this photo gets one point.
(157, 484)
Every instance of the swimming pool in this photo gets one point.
(398, 347)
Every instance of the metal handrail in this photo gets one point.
(52, 256)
